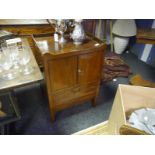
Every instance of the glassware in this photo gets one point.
(6, 64)
(14, 56)
(1, 69)
(24, 59)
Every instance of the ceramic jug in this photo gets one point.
(78, 34)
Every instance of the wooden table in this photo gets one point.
(23, 21)
(7, 86)
(26, 26)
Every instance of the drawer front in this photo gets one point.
(74, 93)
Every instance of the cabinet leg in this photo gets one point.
(12, 129)
(7, 129)
(93, 102)
(52, 115)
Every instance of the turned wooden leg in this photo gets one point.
(93, 102)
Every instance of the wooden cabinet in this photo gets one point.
(72, 72)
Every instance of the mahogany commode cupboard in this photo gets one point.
(72, 72)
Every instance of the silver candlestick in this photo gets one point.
(61, 28)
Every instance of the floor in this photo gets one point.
(35, 116)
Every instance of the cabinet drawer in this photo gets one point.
(70, 94)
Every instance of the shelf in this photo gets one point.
(146, 36)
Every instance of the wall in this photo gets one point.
(101, 29)
(145, 52)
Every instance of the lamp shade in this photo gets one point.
(124, 27)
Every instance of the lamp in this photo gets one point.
(123, 29)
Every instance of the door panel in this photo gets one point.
(63, 73)
(89, 67)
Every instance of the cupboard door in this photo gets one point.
(89, 67)
(63, 73)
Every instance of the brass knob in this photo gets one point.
(79, 71)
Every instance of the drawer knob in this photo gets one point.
(79, 71)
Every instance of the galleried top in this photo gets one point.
(46, 44)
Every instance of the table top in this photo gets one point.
(23, 79)
(23, 22)
(46, 44)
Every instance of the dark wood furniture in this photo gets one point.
(27, 28)
(72, 72)
(146, 36)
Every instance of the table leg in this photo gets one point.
(2, 130)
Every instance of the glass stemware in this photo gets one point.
(11, 50)
(6, 65)
(24, 59)
(14, 60)
(14, 54)
(1, 69)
